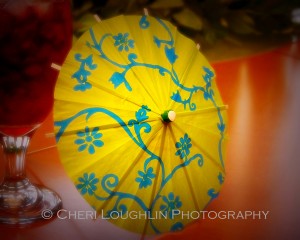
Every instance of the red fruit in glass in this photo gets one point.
(33, 35)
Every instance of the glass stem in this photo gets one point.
(14, 152)
(22, 202)
(16, 186)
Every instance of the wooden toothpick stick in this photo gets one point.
(146, 12)
(55, 66)
(98, 19)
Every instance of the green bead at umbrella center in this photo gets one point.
(168, 116)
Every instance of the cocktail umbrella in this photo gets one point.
(140, 124)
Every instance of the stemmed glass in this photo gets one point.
(33, 34)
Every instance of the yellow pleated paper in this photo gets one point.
(137, 169)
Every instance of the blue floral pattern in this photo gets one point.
(183, 147)
(221, 178)
(89, 139)
(122, 42)
(208, 93)
(145, 178)
(82, 74)
(87, 184)
(212, 193)
(177, 227)
(171, 203)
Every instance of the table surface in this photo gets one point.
(262, 169)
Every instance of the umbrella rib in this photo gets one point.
(190, 186)
(155, 182)
(89, 104)
(109, 126)
(217, 164)
(202, 111)
(120, 96)
(203, 130)
(149, 94)
(131, 111)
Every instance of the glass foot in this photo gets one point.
(29, 204)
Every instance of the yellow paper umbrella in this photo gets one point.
(140, 124)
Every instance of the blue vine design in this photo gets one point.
(82, 74)
(208, 94)
(134, 127)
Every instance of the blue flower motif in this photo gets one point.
(183, 147)
(89, 139)
(170, 53)
(177, 227)
(117, 79)
(212, 193)
(221, 178)
(122, 42)
(171, 203)
(145, 178)
(87, 184)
